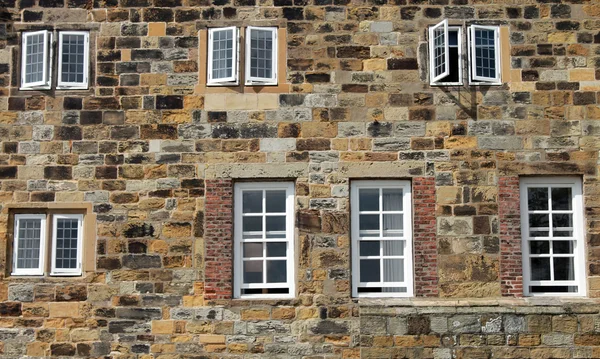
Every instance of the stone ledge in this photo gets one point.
(474, 303)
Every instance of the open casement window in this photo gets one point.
(455, 59)
(73, 59)
(261, 56)
(29, 246)
(382, 264)
(264, 240)
(223, 65)
(36, 60)
(439, 51)
(67, 234)
(484, 54)
(553, 236)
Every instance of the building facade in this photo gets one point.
(305, 179)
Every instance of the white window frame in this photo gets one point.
(45, 84)
(261, 81)
(459, 35)
(226, 81)
(407, 237)
(432, 58)
(578, 237)
(43, 240)
(238, 241)
(482, 80)
(86, 56)
(67, 271)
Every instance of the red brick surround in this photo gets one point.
(509, 216)
(218, 237)
(424, 233)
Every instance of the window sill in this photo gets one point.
(88, 277)
(476, 302)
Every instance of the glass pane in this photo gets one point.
(539, 247)
(276, 227)
(393, 270)
(252, 224)
(540, 268)
(253, 271)
(562, 225)
(276, 271)
(539, 234)
(66, 243)
(562, 199)
(562, 247)
(276, 201)
(369, 270)
(72, 56)
(252, 201)
(28, 255)
(369, 225)
(392, 199)
(564, 269)
(393, 248)
(369, 248)
(392, 225)
(253, 250)
(276, 249)
(368, 199)
(539, 220)
(537, 199)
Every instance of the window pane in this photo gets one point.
(368, 199)
(539, 247)
(261, 52)
(562, 225)
(252, 201)
(539, 220)
(276, 201)
(392, 225)
(393, 270)
(485, 53)
(276, 271)
(276, 227)
(562, 199)
(392, 199)
(34, 58)
(540, 268)
(564, 268)
(537, 199)
(28, 255)
(393, 248)
(253, 271)
(369, 270)
(72, 57)
(253, 250)
(222, 50)
(252, 224)
(369, 225)
(439, 51)
(66, 243)
(369, 248)
(276, 249)
(562, 247)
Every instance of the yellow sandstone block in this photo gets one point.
(157, 29)
(582, 75)
(212, 339)
(162, 327)
(64, 309)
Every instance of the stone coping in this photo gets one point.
(476, 302)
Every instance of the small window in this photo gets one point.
(484, 54)
(455, 59)
(73, 59)
(439, 51)
(261, 56)
(552, 232)
(381, 239)
(264, 240)
(36, 57)
(223, 64)
(31, 243)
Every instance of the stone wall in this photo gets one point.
(155, 152)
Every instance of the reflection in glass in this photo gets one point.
(369, 222)
(540, 268)
(252, 224)
(275, 226)
(253, 271)
(252, 201)
(275, 201)
(564, 268)
(368, 199)
(276, 271)
(253, 250)
(369, 270)
(563, 247)
(537, 199)
(539, 247)
(369, 248)
(562, 224)
(539, 220)
(561, 199)
(276, 249)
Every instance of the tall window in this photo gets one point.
(31, 244)
(553, 236)
(223, 55)
(381, 239)
(264, 240)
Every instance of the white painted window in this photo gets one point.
(382, 264)
(484, 54)
(223, 50)
(264, 240)
(454, 63)
(36, 60)
(67, 234)
(73, 59)
(553, 236)
(439, 51)
(29, 246)
(261, 56)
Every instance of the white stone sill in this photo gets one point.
(476, 302)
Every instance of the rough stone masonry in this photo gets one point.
(152, 153)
